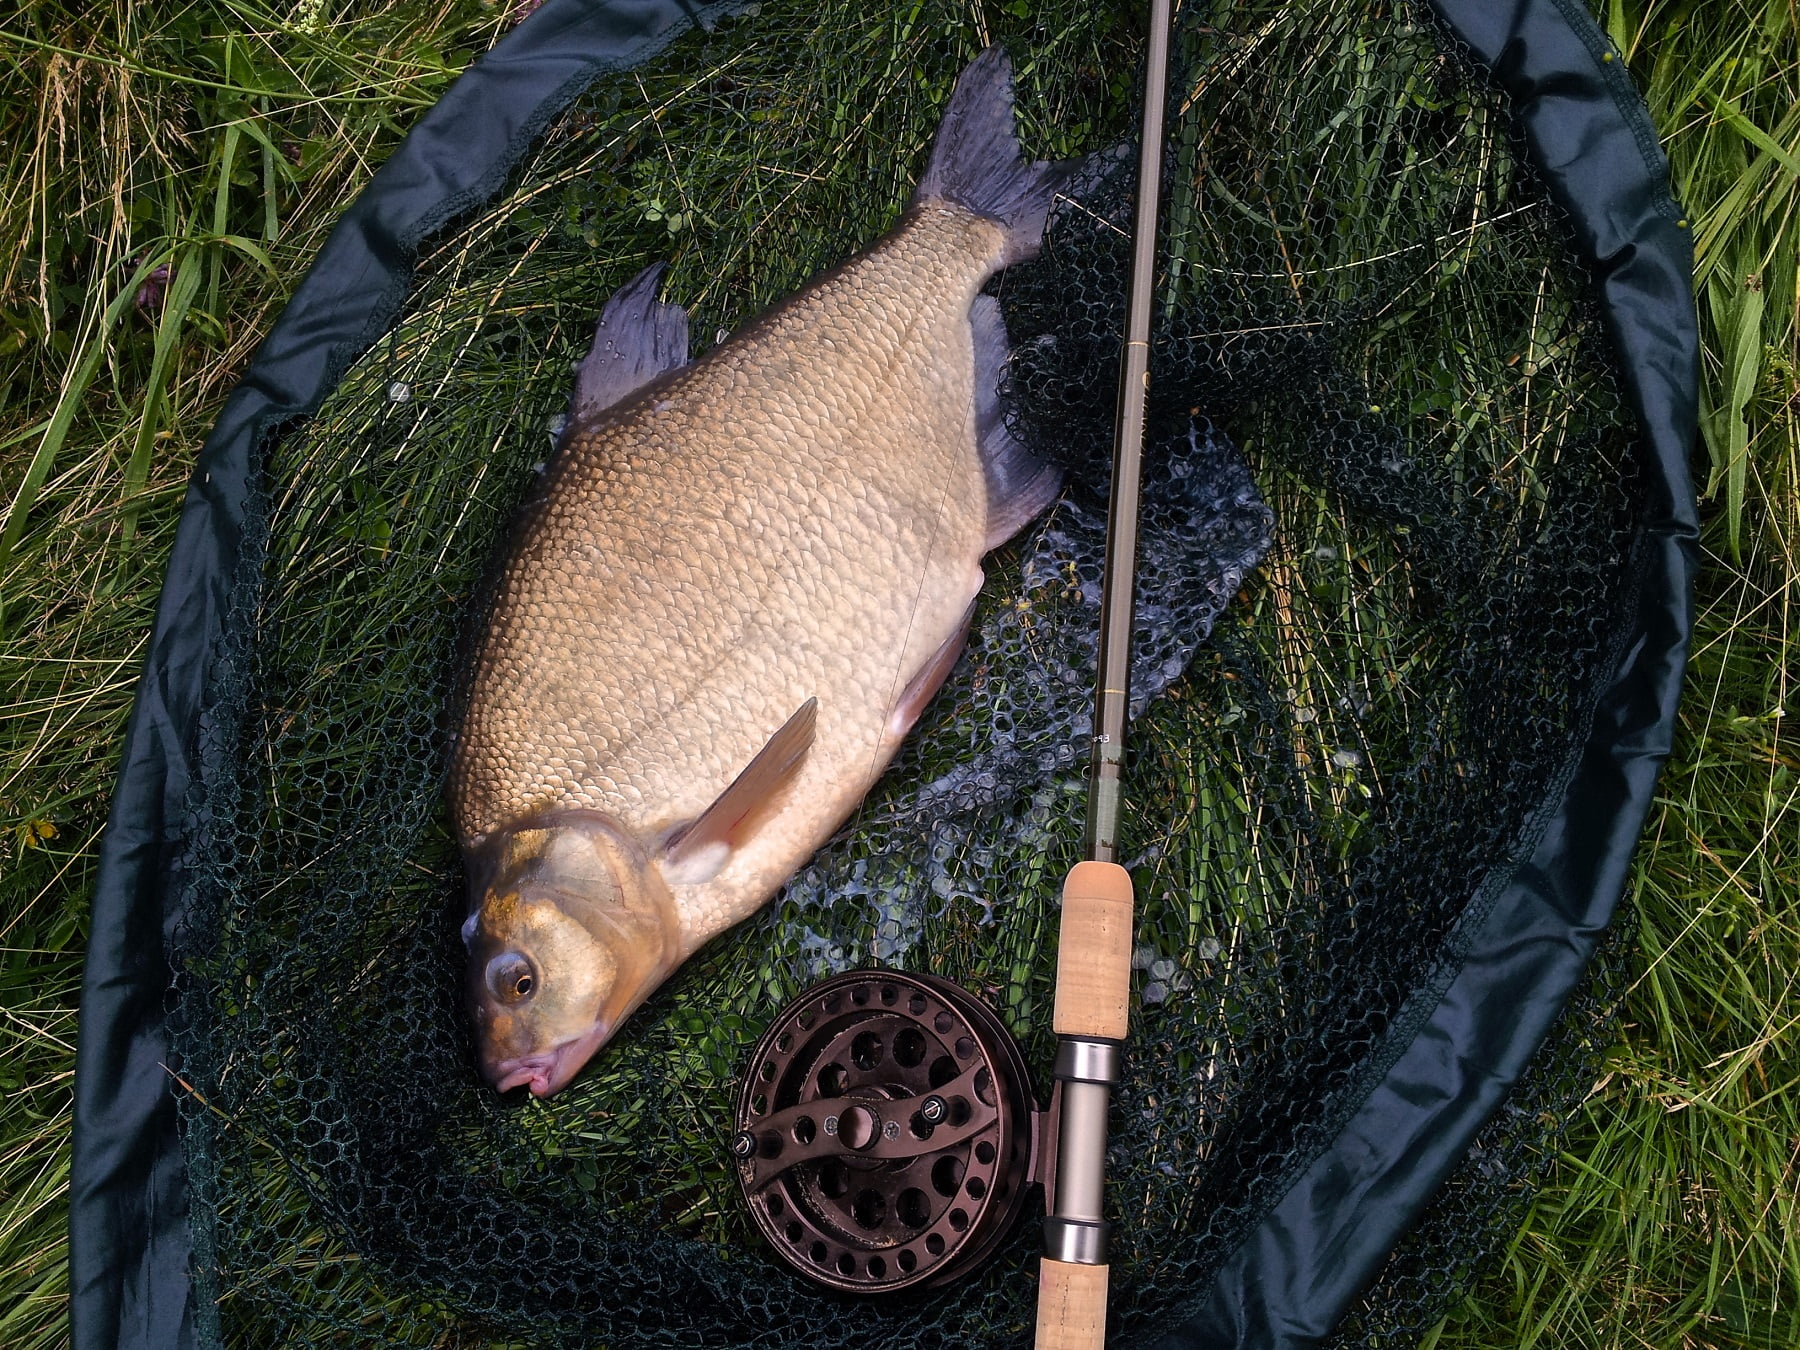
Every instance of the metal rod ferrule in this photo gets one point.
(1077, 1241)
(1081, 1163)
(1083, 1059)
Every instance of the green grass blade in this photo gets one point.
(184, 281)
(1734, 118)
(75, 386)
(1741, 377)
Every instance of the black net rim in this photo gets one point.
(1571, 90)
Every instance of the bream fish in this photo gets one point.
(737, 586)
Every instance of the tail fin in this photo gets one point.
(975, 160)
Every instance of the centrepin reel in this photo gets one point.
(887, 1135)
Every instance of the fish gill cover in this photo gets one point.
(1364, 293)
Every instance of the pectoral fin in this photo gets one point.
(696, 852)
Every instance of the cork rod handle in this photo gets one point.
(1093, 956)
(1093, 987)
(1071, 1306)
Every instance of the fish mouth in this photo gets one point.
(549, 1070)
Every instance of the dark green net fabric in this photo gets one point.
(1363, 290)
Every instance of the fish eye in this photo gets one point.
(510, 977)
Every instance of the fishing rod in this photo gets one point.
(886, 1134)
(1093, 962)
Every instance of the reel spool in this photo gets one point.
(887, 1134)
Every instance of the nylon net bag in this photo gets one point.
(1391, 497)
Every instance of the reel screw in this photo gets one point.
(743, 1146)
(933, 1110)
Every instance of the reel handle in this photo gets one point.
(1093, 988)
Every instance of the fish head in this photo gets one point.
(572, 929)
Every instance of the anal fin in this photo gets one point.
(929, 678)
(637, 339)
(1019, 484)
(696, 852)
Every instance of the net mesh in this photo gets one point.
(1365, 297)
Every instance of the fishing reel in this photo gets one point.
(887, 1136)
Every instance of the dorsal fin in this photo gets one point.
(638, 338)
(697, 852)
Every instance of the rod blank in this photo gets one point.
(1112, 699)
(1093, 965)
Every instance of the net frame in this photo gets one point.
(1639, 266)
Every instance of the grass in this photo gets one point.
(1671, 1217)
(218, 140)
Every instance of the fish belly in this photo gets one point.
(800, 514)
